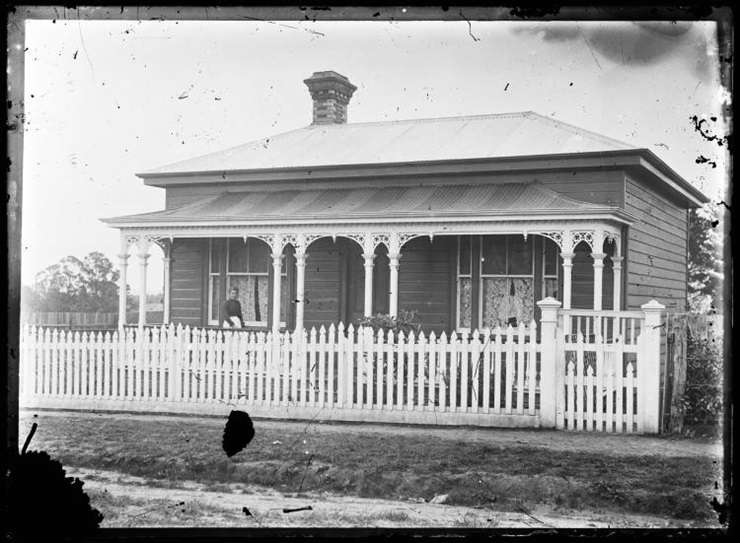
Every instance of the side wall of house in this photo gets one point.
(187, 280)
(657, 258)
(656, 254)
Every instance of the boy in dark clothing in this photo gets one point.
(233, 310)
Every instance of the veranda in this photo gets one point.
(582, 370)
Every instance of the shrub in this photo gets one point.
(702, 400)
(44, 503)
(407, 321)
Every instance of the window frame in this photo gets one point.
(227, 282)
(545, 276)
(211, 276)
(230, 274)
(482, 276)
(460, 276)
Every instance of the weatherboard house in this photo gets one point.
(468, 221)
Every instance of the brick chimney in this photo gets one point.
(331, 93)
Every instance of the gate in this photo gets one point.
(609, 370)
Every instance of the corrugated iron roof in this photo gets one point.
(366, 203)
(417, 140)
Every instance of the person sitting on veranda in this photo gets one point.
(232, 310)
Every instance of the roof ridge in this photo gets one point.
(196, 204)
(578, 130)
(543, 188)
(434, 119)
(220, 151)
(173, 210)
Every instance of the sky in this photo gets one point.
(107, 99)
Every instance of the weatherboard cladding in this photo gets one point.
(425, 283)
(335, 276)
(658, 252)
(657, 249)
(415, 140)
(382, 202)
(186, 288)
(322, 283)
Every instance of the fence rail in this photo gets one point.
(609, 324)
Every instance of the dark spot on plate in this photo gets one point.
(238, 432)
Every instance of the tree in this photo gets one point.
(705, 259)
(78, 285)
(30, 300)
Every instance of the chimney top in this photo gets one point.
(331, 93)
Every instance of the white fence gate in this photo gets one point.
(611, 370)
(505, 377)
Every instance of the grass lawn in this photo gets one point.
(392, 464)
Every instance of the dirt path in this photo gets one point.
(128, 501)
(610, 444)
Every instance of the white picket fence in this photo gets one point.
(567, 379)
(344, 374)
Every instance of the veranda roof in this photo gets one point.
(417, 140)
(383, 203)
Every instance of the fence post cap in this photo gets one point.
(652, 306)
(549, 303)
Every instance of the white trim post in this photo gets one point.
(166, 260)
(567, 278)
(277, 261)
(300, 287)
(549, 377)
(648, 368)
(394, 259)
(598, 280)
(617, 269)
(123, 285)
(143, 254)
(369, 265)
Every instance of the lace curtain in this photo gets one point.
(507, 299)
(253, 292)
(465, 303)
